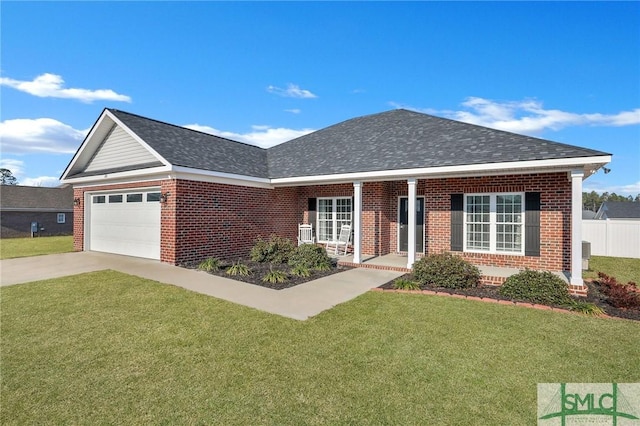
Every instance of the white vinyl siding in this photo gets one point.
(332, 214)
(119, 149)
(494, 223)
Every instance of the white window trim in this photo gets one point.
(334, 215)
(493, 223)
(63, 216)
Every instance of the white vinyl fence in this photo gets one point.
(616, 238)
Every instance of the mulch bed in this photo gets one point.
(258, 270)
(594, 296)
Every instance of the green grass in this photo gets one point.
(622, 268)
(24, 247)
(106, 347)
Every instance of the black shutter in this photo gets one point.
(457, 222)
(312, 207)
(532, 224)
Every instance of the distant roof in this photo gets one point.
(619, 210)
(16, 197)
(402, 139)
(189, 148)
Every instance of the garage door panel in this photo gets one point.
(129, 228)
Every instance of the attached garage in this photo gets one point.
(125, 223)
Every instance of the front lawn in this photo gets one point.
(24, 247)
(106, 347)
(622, 268)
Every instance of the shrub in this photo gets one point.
(274, 250)
(536, 287)
(618, 294)
(211, 264)
(446, 270)
(274, 277)
(405, 284)
(586, 308)
(310, 256)
(239, 268)
(301, 271)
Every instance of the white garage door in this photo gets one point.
(125, 223)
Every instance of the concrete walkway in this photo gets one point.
(299, 302)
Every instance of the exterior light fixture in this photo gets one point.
(164, 197)
(76, 202)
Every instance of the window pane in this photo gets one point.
(509, 224)
(134, 198)
(153, 196)
(478, 219)
(115, 198)
(98, 199)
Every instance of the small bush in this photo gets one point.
(310, 256)
(274, 277)
(405, 284)
(211, 264)
(239, 268)
(619, 295)
(537, 287)
(300, 271)
(274, 250)
(446, 270)
(586, 308)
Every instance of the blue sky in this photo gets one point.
(267, 72)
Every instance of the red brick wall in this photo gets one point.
(555, 217)
(203, 219)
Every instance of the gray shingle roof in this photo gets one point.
(402, 139)
(619, 210)
(36, 197)
(393, 140)
(189, 148)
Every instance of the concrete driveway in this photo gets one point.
(299, 302)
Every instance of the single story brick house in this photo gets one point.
(20, 206)
(407, 182)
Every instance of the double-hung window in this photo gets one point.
(332, 214)
(494, 223)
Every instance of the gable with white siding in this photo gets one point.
(119, 149)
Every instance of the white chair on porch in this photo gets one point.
(343, 240)
(305, 235)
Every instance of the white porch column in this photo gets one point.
(357, 221)
(576, 227)
(411, 237)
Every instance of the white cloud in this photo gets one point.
(630, 189)
(17, 168)
(24, 135)
(262, 136)
(527, 116)
(291, 91)
(51, 86)
(293, 111)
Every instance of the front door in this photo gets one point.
(403, 220)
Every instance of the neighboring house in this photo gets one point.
(52, 208)
(407, 182)
(618, 210)
(588, 214)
